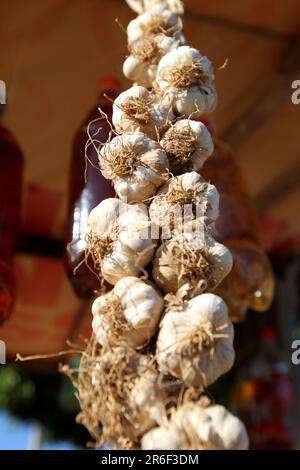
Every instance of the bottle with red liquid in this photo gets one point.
(87, 187)
(11, 174)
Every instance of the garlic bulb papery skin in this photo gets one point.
(118, 239)
(187, 78)
(136, 164)
(145, 54)
(210, 428)
(163, 438)
(222, 429)
(188, 145)
(140, 6)
(156, 20)
(195, 343)
(193, 427)
(129, 313)
(194, 101)
(182, 199)
(135, 110)
(193, 258)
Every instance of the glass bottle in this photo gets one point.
(250, 284)
(11, 175)
(87, 187)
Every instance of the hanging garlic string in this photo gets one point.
(141, 380)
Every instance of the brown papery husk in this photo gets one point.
(187, 76)
(180, 146)
(138, 109)
(146, 50)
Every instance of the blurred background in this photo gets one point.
(55, 56)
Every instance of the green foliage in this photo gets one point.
(15, 388)
(48, 398)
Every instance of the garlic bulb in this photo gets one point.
(131, 395)
(195, 343)
(209, 428)
(188, 145)
(182, 199)
(223, 429)
(155, 398)
(187, 78)
(156, 20)
(183, 68)
(140, 6)
(136, 164)
(191, 258)
(118, 239)
(135, 110)
(145, 54)
(193, 427)
(129, 313)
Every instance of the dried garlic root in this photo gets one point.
(191, 258)
(136, 164)
(188, 145)
(158, 19)
(137, 110)
(181, 200)
(120, 394)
